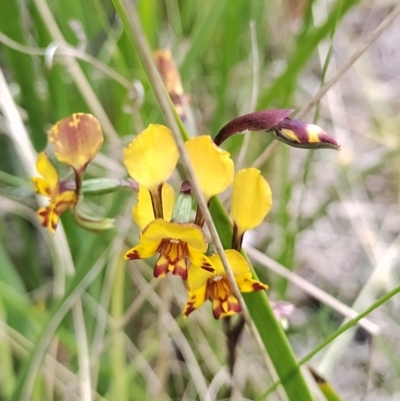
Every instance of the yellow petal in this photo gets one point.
(143, 212)
(48, 217)
(213, 166)
(76, 140)
(159, 229)
(142, 251)
(246, 285)
(197, 278)
(196, 299)
(48, 172)
(59, 203)
(41, 186)
(237, 262)
(168, 200)
(199, 259)
(251, 199)
(152, 156)
(242, 272)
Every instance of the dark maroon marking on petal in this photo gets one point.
(133, 255)
(258, 287)
(161, 269)
(189, 308)
(217, 311)
(207, 266)
(45, 214)
(179, 271)
(234, 306)
(264, 120)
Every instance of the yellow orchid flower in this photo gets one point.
(204, 285)
(76, 140)
(150, 159)
(251, 201)
(50, 186)
(178, 246)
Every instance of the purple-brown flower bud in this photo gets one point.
(299, 134)
(294, 133)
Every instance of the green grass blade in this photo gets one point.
(80, 282)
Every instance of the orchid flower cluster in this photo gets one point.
(169, 226)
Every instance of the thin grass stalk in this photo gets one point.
(262, 322)
(310, 288)
(361, 49)
(63, 263)
(83, 352)
(78, 76)
(64, 49)
(266, 154)
(26, 381)
(119, 368)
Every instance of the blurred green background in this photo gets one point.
(71, 299)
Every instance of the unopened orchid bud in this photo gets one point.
(299, 134)
(294, 133)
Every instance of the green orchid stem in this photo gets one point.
(269, 329)
(337, 333)
(233, 334)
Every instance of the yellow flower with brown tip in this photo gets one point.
(214, 286)
(50, 186)
(76, 140)
(251, 202)
(177, 244)
(150, 160)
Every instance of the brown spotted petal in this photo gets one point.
(76, 140)
(299, 134)
(265, 120)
